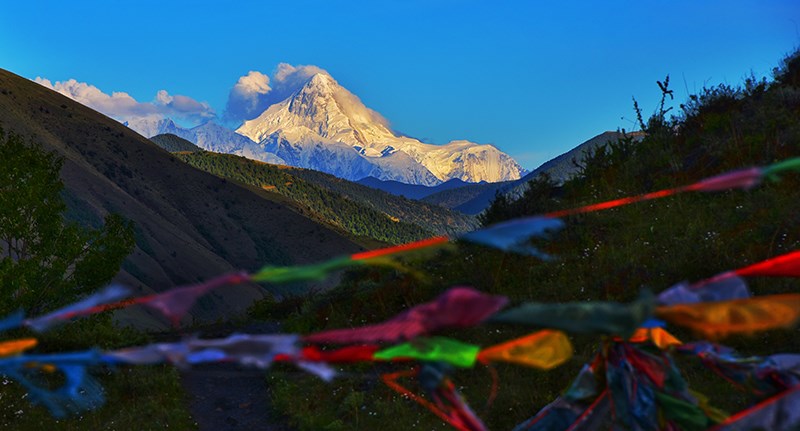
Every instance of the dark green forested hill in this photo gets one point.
(430, 216)
(354, 208)
(607, 255)
(173, 143)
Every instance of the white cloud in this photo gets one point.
(244, 97)
(255, 92)
(123, 107)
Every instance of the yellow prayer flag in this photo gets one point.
(543, 349)
(741, 316)
(658, 336)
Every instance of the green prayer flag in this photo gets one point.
(433, 349)
(288, 274)
(773, 170)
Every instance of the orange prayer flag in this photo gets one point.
(658, 336)
(13, 347)
(543, 349)
(741, 316)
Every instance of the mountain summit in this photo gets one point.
(324, 126)
(322, 108)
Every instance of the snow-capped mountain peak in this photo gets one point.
(324, 108)
(323, 126)
(324, 112)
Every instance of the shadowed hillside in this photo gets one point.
(190, 225)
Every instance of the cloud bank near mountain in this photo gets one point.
(255, 92)
(123, 107)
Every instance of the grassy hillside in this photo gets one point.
(357, 209)
(608, 255)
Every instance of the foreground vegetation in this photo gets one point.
(47, 262)
(608, 255)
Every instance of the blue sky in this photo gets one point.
(533, 78)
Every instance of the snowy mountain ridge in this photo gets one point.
(324, 109)
(209, 136)
(323, 126)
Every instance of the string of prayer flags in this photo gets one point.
(345, 355)
(107, 295)
(742, 316)
(633, 389)
(629, 384)
(646, 387)
(436, 241)
(458, 307)
(13, 347)
(175, 303)
(771, 172)
(610, 318)
(244, 349)
(724, 287)
(544, 350)
(515, 235)
(433, 349)
(78, 393)
(446, 402)
(777, 413)
(763, 376)
(739, 179)
(290, 274)
(786, 265)
(626, 387)
(686, 415)
(584, 406)
(565, 414)
(658, 336)
(12, 321)
(250, 350)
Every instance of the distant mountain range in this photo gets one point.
(189, 225)
(322, 126)
(208, 136)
